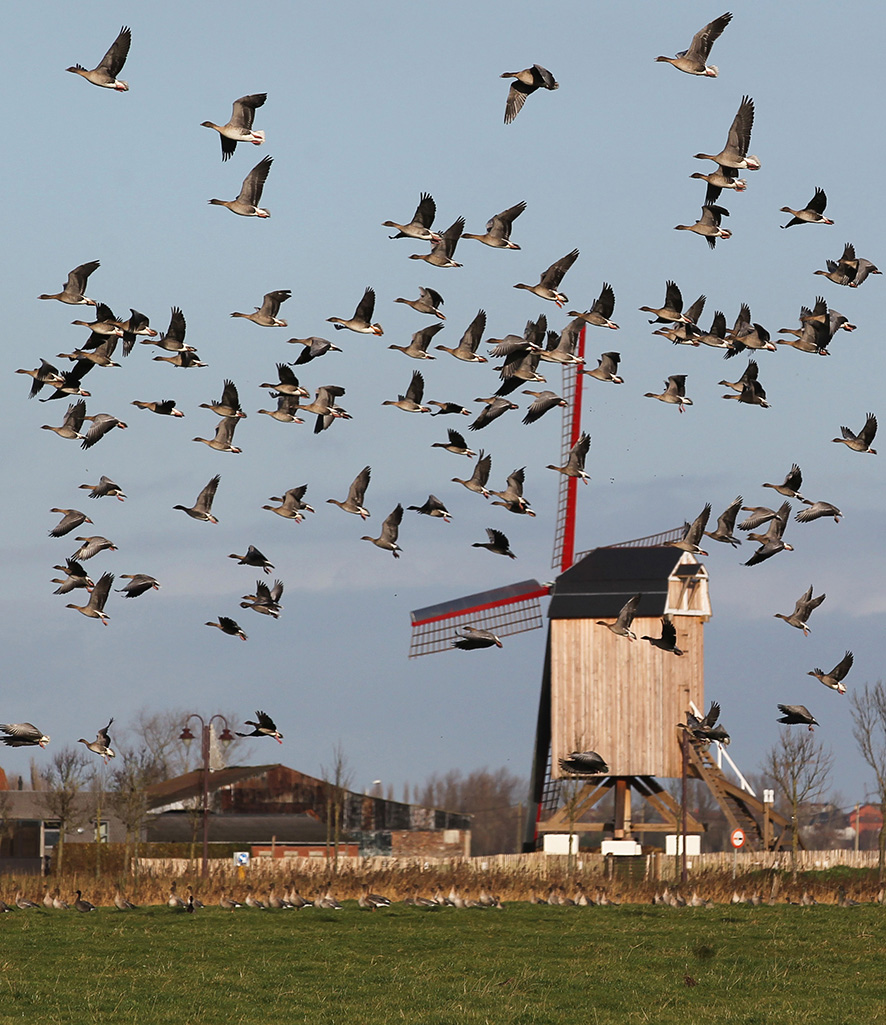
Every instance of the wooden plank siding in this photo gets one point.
(623, 698)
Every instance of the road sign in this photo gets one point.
(737, 838)
(241, 859)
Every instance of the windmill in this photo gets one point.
(599, 691)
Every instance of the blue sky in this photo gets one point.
(368, 106)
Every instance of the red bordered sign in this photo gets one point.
(737, 838)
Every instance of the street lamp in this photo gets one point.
(225, 737)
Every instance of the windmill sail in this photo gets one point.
(564, 534)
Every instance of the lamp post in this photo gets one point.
(225, 737)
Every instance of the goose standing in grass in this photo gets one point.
(525, 83)
(92, 546)
(246, 204)
(812, 213)
(622, 625)
(479, 478)
(735, 152)
(390, 530)
(604, 305)
(418, 347)
(442, 252)
(71, 519)
(498, 228)
(122, 903)
(202, 508)
(23, 734)
(229, 626)
(708, 225)
(72, 292)
(549, 283)
(110, 66)
(264, 727)
(253, 557)
(22, 902)
(314, 348)
(470, 638)
(694, 60)
(834, 679)
(361, 322)
(803, 609)
(674, 393)
(356, 495)
(224, 436)
(797, 715)
(668, 639)
(456, 444)
(164, 407)
(575, 464)
(860, 442)
(429, 301)
(292, 507)
(411, 401)
(432, 507)
(816, 510)
(95, 607)
(606, 369)
(72, 423)
(725, 528)
(101, 746)
(239, 128)
(420, 225)
(139, 584)
(266, 314)
(498, 543)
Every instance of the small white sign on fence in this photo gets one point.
(241, 859)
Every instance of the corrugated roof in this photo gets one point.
(600, 584)
(178, 827)
(190, 785)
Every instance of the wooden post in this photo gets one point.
(684, 875)
(622, 796)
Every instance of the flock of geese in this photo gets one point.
(524, 358)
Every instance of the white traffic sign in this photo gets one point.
(737, 838)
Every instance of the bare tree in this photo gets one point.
(64, 778)
(339, 777)
(800, 768)
(135, 771)
(868, 708)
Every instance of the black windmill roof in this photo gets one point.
(600, 583)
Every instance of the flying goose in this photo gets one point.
(480, 476)
(747, 334)
(708, 225)
(110, 66)
(525, 83)
(726, 524)
(164, 407)
(390, 529)
(72, 423)
(105, 488)
(71, 519)
(442, 252)
(797, 715)
(174, 339)
(420, 225)
(224, 435)
(622, 625)
(229, 626)
(23, 734)
(239, 128)
(749, 376)
(253, 557)
(833, 679)
(694, 60)
(138, 584)
(752, 393)
(790, 485)
(561, 348)
(449, 408)
(705, 729)
(313, 348)
(411, 401)
(138, 324)
(246, 204)
(513, 493)
(772, 542)
(292, 507)
(498, 228)
(816, 510)
(456, 444)
(812, 213)
(674, 393)
(418, 347)
(544, 401)
(672, 309)
(266, 314)
(735, 152)
(356, 493)
(361, 322)
(101, 424)
(264, 727)
(470, 638)
(606, 368)
(286, 385)
(668, 639)
(202, 508)
(46, 373)
(92, 546)
(498, 543)
(692, 534)
(547, 287)
(598, 315)
(95, 607)
(72, 381)
(432, 507)
(495, 407)
(860, 442)
(584, 763)
(722, 178)
(803, 609)
(266, 600)
(101, 746)
(428, 301)
(75, 576)
(575, 464)
(72, 292)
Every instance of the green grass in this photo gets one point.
(524, 964)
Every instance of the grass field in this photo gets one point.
(522, 964)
